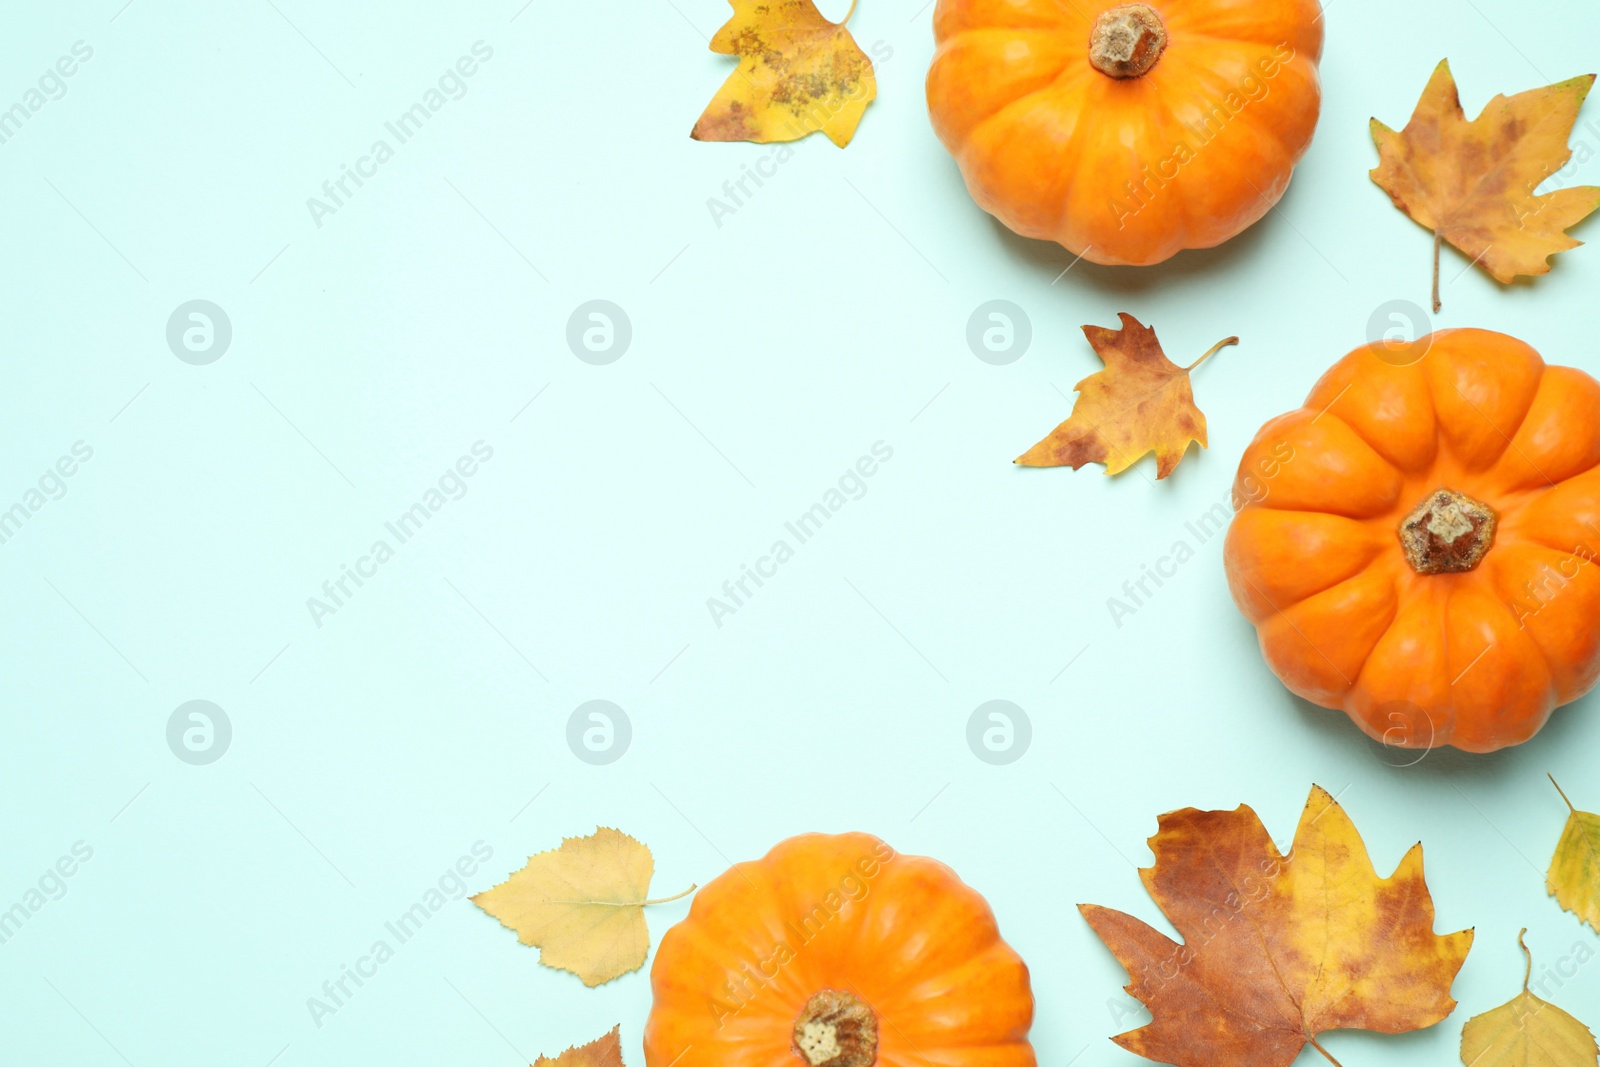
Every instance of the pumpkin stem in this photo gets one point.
(1127, 40)
(1213, 350)
(836, 1030)
(1448, 533)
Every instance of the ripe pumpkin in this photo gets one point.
(843, 953)
(1129, 131)
(1416, 545)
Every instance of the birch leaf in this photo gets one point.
(1574, 878)
(582, 905)
(1527, 1031)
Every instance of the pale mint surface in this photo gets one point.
(413, 337)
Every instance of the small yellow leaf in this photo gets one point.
(1142, 402)
(1526, 1031)
(582, 905)
(601, 1052)
(1574, 878)
(797, 73)
(1472, 183)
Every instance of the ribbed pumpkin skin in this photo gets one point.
(1476, 660)
(1126, 171)
(917, 945)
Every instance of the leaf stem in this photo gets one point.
(630, 903)
(1325, 1052)
(669, 900)
(847, 14)
(1527, 975)
(1438, 244)
(1570, 806)
(1225, 342)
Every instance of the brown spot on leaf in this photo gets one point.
(796, 63)
(734, 124)
(1473, 181)
(1140, 403)
(1276, 949)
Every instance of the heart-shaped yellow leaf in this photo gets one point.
(1527, 1031)
(1574, 878)
(582, 905)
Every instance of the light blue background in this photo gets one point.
(828, 313)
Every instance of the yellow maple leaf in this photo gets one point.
(1574, 877)
(1472, 183)
(1277, 949)
(582, 905)
(1526, 1031)
(603, 1051)
(1142, 402)
(797, 73)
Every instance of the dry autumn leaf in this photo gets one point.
(797, 73)
(1526, 1031)
(1142, 402)
(1472, 183)
(1277, 949)
(601, 1052)
(582, 905)
(1574, 878)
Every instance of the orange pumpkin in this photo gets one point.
(1417, 545)
(834, 951)
(1126, 132)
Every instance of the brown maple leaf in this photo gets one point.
(1472, 183)
(797, 73)
(1277, 949)
(603, 1051)
(1142, 402)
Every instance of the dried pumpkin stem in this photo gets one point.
(1126, 41)
(836, 1029)
(1448, 533)
(1213, 350)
